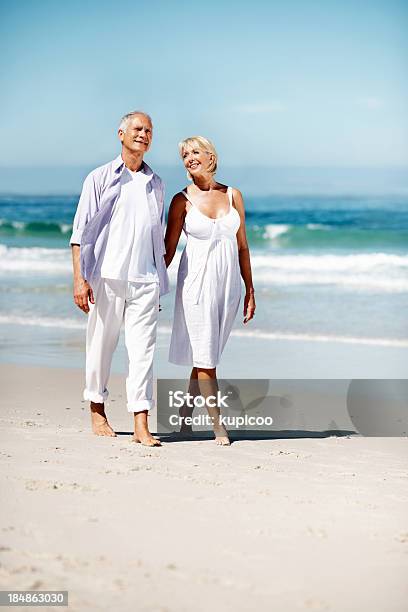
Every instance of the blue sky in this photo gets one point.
(290, 83)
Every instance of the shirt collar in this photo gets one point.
(118, 165)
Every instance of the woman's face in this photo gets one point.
(196, 160)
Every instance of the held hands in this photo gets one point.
(83, 292)
(249, 306)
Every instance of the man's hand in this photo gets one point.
(82, 290)
(83, 293)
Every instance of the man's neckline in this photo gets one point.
(119, 164)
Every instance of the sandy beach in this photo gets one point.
(300, 523)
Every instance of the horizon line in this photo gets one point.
(246, 165)
(320, 194)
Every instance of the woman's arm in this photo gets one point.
(175, 221)
(244, 259)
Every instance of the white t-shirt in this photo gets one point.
(129, 248)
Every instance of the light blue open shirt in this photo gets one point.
(100, 192)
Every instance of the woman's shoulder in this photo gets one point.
(179, 197)
(237, 200)
(178, 204)
(236, 197)
(236, 192)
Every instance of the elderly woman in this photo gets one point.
(209, 277)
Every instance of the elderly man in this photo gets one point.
(119, 272)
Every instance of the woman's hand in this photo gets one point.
(249, 306)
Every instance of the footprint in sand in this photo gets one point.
(313, 603)
(403, 538)
(37, 485)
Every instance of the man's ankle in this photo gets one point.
(141, 421)
(99, 408)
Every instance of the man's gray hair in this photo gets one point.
(124, 122)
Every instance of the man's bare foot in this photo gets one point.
(100, 425)
(221, 436)
(142, 434)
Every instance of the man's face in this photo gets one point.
(138, 135)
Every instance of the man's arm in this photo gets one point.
(82, 290)
(87, 206)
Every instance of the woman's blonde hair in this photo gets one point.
(201, 143)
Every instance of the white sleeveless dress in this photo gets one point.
(208, 288)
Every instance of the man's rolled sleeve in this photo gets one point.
(162, 214)
(87, 206)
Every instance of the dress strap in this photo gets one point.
(229, 192)
(188, 198)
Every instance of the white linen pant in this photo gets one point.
(137, 304)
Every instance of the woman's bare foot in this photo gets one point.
(142, 434)
(100, 425)
(221, 436)
(146, 440)
(184, 412)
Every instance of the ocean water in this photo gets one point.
(324, 268)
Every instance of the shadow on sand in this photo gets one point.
(200, 436)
